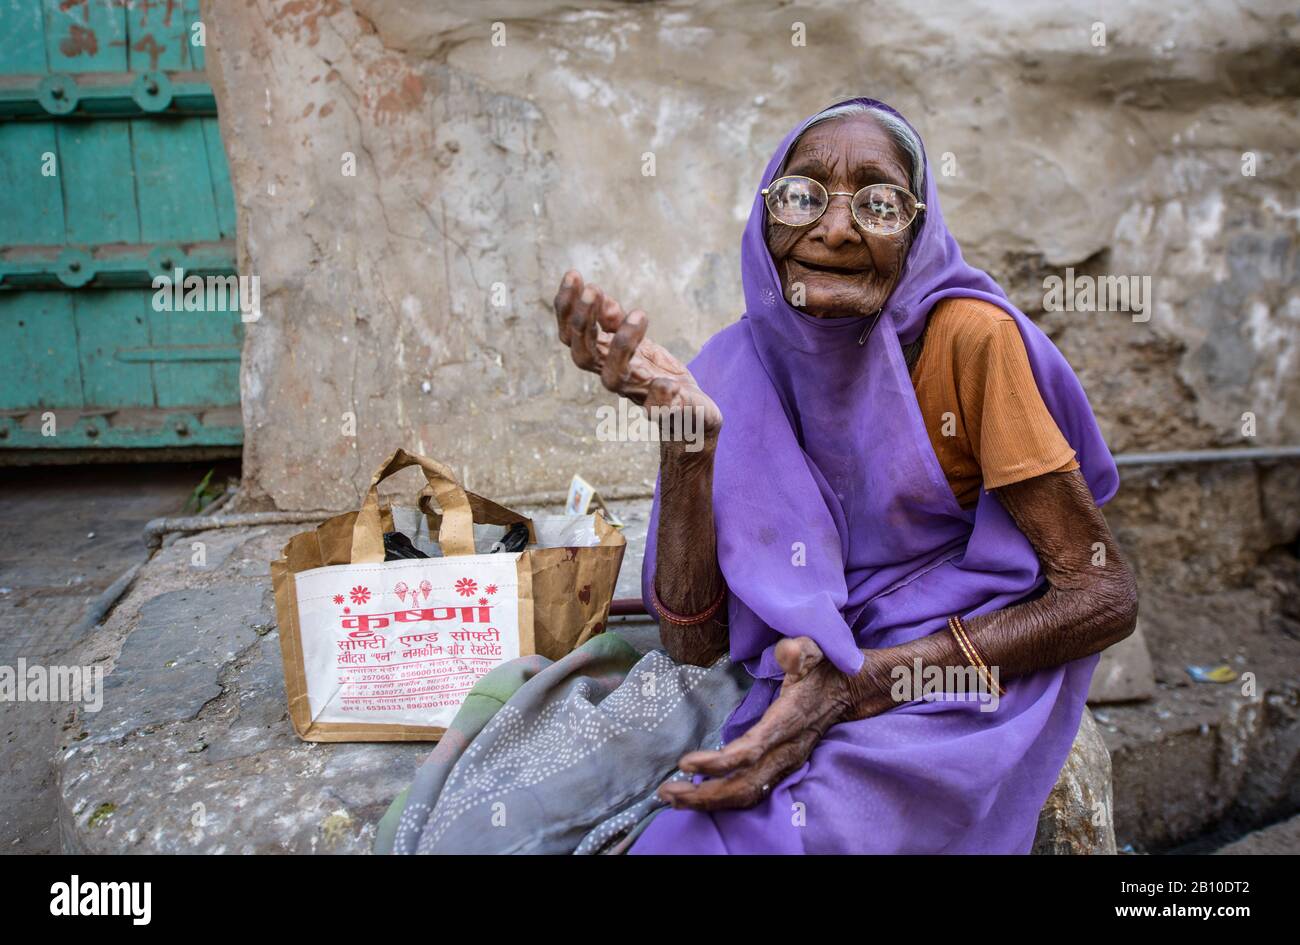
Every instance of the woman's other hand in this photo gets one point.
(814, 696)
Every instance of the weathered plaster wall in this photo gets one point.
(479, 165)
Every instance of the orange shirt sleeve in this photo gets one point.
(1012, 434)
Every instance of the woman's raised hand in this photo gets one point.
(604, 340)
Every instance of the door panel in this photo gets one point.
(112, 173)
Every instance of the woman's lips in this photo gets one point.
(831, 270)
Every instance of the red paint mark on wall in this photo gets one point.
(584, 595)
(303, 16)
(406, 97)
(79, 40)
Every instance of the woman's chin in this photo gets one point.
(841, 303)
(833, 296)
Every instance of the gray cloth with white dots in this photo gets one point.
(570, 761)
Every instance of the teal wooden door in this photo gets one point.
(112, 174)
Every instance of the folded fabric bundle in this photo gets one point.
(562, 756)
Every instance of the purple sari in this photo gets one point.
(823, 450)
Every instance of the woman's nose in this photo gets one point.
(836, 225)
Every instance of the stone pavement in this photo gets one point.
(193, 750)
(66, 534)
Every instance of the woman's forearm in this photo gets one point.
(1054, 629)
(1090, 602)
(687, 576)
(604, 340)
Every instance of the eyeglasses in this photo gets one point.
(880, 209)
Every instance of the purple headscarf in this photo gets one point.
(835, 521)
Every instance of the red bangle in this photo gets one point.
(678, 619)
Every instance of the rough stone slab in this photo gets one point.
(635, 514)
(200, 756)
(208, 551)
(1124, 673)
(168, 668)
(216, 768)
(234, 779)
(241, 782)
(1077, 817)
(1199, 756)
(1278, 840)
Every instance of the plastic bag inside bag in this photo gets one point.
(553, 531)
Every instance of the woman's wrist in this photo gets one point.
(870, 688)
(689, 455)
(688, 580)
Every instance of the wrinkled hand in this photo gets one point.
(814, 696)
(605, 341)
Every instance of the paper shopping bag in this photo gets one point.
(377, 650)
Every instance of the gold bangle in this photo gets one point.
(973, 655)
(984, 665)
(963, 642)
(979, 657)
(965, 650)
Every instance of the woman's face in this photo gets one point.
(843, 271)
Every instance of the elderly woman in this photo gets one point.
(900, 477)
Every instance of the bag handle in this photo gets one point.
(485, 511)
(456, 535)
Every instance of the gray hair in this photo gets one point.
(902, 134)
